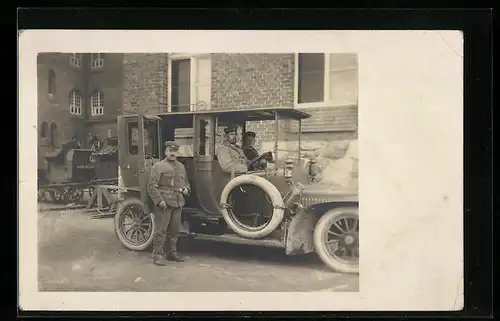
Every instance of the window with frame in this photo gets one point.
(181, 85)
(44, 128)
(189, 82)
(75, 102)
(206, 139)
(75, 59)
(97, 61)
(326, 79)
(52, 82)
(150, 138)
(97, 103)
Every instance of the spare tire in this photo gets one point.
(273, 194)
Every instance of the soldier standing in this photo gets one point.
(231, 157)
(167, 186)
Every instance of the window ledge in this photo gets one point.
(97, 69)
(324, 105)
(325, 129)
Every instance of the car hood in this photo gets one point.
(325, 193)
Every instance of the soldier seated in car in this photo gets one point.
(231, 157)
(252, 153)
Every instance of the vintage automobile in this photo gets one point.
(67, 169)
(70, 170)
(280, 206)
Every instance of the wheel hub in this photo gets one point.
(348, 239)
(136, 223)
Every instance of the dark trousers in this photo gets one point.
(167, 228)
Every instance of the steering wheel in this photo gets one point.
(268, 155)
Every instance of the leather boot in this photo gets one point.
(159, 260)
(174, 256)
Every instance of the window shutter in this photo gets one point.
(203, 75)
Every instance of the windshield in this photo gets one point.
(280, 136)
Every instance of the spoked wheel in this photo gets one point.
(134, 227)
(41, 195)
(336, 239)
(57, 196)
(250, 208)
(73, 194)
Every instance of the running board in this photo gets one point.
(235, 239)
(61, 208)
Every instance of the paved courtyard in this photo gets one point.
(77, 253)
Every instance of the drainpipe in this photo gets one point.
(85, 94)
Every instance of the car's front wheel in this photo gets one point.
(336, 239)
(134, 226)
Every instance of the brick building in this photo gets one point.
(157, 81)
(78, 94)
(325, 85)
(83, 93)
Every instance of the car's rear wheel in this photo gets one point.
(134, 226)
(336, 239)
(261, 212)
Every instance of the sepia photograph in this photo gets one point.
(240, 170)
(197, 172)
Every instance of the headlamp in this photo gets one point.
(288, 171)
(314, 170)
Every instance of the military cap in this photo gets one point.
(171, 144)
(250, 134)
(230, 129)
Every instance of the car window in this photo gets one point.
(150, 139)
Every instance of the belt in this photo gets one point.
(173, 189)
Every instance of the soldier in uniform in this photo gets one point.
(252, 153)
(167, 185)
(248, 143)
(231, 157)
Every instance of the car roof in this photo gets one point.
(238, 115)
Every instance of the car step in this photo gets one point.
(235, 239)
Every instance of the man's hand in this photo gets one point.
(184, 191)
(162, 204)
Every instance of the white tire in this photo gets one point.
(345, 239)
(270, 190)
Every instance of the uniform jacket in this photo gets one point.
(164, 180)
(250, 152)
(232, 158)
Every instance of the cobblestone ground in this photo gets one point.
(77, 253)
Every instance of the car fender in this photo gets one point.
(300, 229)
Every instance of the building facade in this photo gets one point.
(79, 94)
(324, 85)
